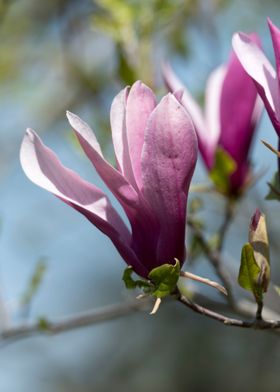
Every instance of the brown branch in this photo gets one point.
(229, 213)
(84, 319)
(255, 324)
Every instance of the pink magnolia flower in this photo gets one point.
(229, 118)
(156, 152)
(261, 71)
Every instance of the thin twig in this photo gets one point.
(259, 310)
(215, 260)
(229, 213)
(92, 317)
(255, 324)
(271, 148)
(200, 279)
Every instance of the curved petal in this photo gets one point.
(237, 111)
(42, 167)
(275, 36)
(143, 223)
(129, 113)
(168, 160)
(174, 84)
(119, 136)
(213, 108)
(141, 102)
(261, 71)
(115, 181)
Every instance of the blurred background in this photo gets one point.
(76, 55)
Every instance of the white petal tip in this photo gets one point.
(156, 306)
(70, 115)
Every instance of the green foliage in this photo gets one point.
(132, 26)
(162, 280)
(274, 188)
(223, 167)
(130, 283)
(250, 273)
(34, 283)
(43, 324)
(258, 239)
(165, 279)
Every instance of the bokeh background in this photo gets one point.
(66, 54)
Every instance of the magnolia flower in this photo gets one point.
(261, 71)
(156, 152)
(229, 118)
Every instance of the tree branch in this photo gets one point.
(255, 324)
(229, 213)
(215, 260)
(75, 321)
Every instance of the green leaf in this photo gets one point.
(249, 272)
(223, 167)
(130, 283)
(164, 279)
(274, 188)
(258, 239)
(35, 282)
(43, 324)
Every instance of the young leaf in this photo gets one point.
(164, 279)
(223, 167)
(34, 283)
(274, 188)
(249, 272)
(130, 283)
(258, 239)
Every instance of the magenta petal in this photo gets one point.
(213, 111)
(261, 71)
(115, 181)
(275, 36)
(174, 84)
(119, 136)
(168, 161)
(129, 113)
(141, 102)
(143, 224)
(238, 119)
(42, 167)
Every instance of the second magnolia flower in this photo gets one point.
(232, 110)
(156, 152)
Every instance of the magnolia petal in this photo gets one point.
(213, 108)
(115, 181)
(168, 160)
(275, 36)
(143, 224)
(237, 111)
(261, 71)
(119, 136)
(42, 167)
(141, 101)
(174, 84)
